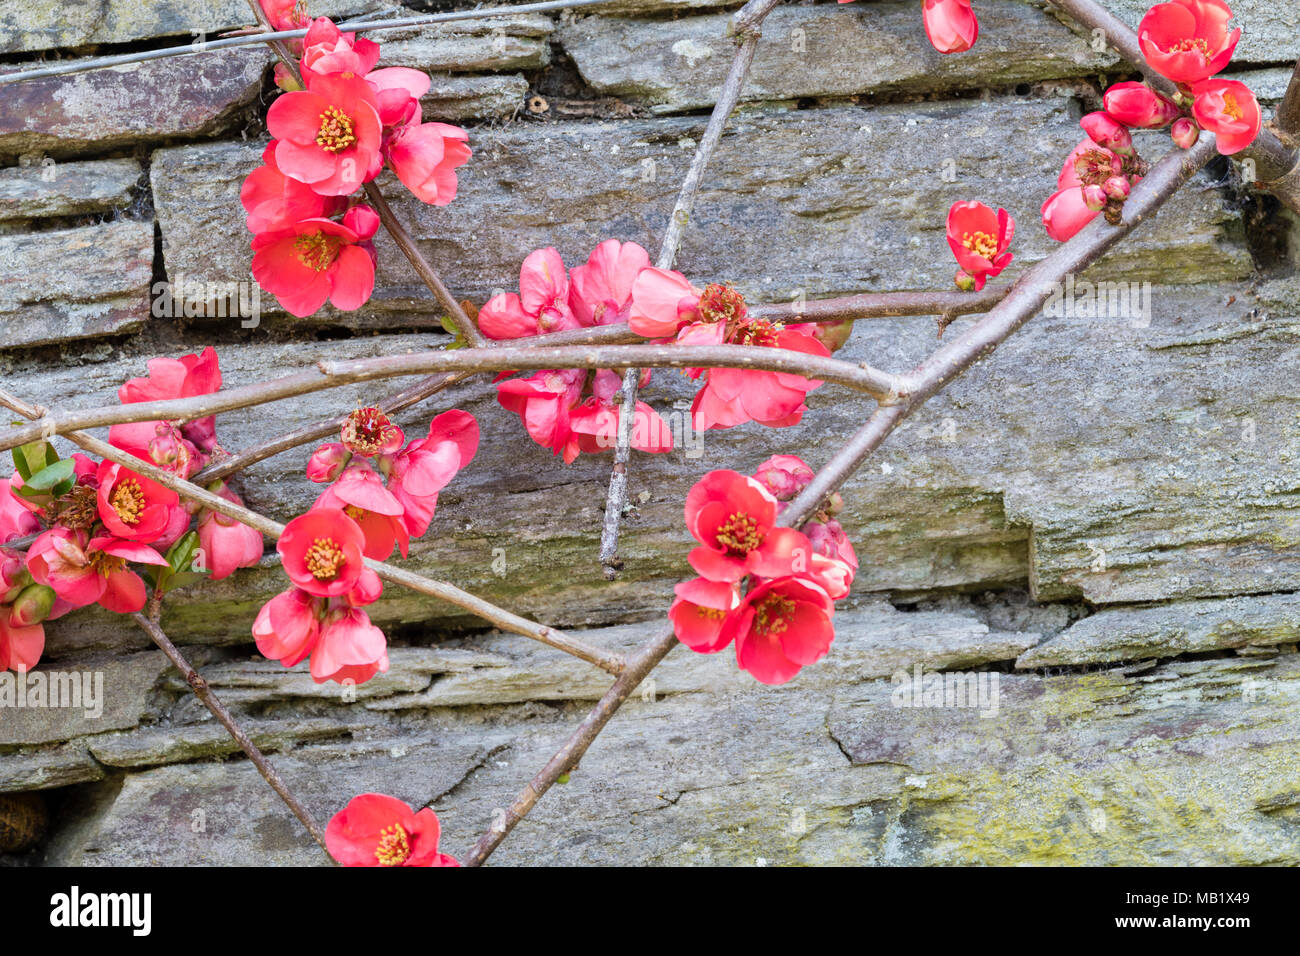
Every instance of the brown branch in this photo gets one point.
(746, 29)
(1288, 111)
(1018, 307)
(880, 385)
(210, 700)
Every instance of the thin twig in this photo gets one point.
(932, 375)
(1288, 111)
(864, 378)
(746, 29)
(210, 700)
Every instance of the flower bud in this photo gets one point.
(1116, 187)
(1139, 106)
(784, 475)
(1185, 133)
(964, 281)
(285, 80)
(833, 335)
(328, 462)
(1094, 197)
(32, 606)
(1106, 132)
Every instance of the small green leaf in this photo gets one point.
(180, 556)
(50, 475)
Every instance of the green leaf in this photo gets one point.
(180, 556)
(50, 475)
(33, 457)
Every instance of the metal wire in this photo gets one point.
(354, 26)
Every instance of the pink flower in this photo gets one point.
(378, 830)
(274, 201)
(734, 396)
(600, 290)
(1188, 40)
(349, 650)
(780, 627)
(319, 259)
(426, 466)
(663, 301)
(83, 572)
(1185, 133)
(16, 518)
(329, 134)
(733, 517)
(1065, 213)
(20, 647)
(1107, 132)
(784, 476)
(1230, 111)
(979, 238)
(542, 304)
(398, 90)
(286, 14)
(368, 431)
(163, 443)
(327, 50)
(327, 462)
(699, 610)
(543, 401)
(425, 157)
(133, 507)
(360, 493)
(950, 24)
(322, 552)
(287, 627)
(227, 544)
(1139, 106)
(595, 422)
(185, 377)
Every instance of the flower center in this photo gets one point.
(324, 558)
(105, 563)
(128, 501)
(739, 534)
(353, 512)
(367, 431)
(981, 243)
(711, 612)
(721, 303)
(773, 615)
(1191, 44)
(393, 848)
(317, 251)
(1231, 107)
(335, 130)
(746, 331)
(77, 510)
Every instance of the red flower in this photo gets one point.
(600, 290)
(699, 610)
(979, 238)
(1139, 106)
(368, 431)
(425, 157)
(950, 25)
(83, 572)
(733, 517)
(322, 552)
(378, 830)
(328, 50)
(329, 134)
(732, 396)
(542, 304)
(663, 301)
(360, 493)
(1188, 40)
(1065, 213)
(287, 627)
(543, 401)
(227, 544)
(1108, 132)
(1230, 111)
(319, 259)
(20, 647)
(286, 14)
(595, 421)
(780, 627)
(185, 377)
(349, 650)
(426, 466)
(274, 201)
(133, 507)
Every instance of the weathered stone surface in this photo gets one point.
(453, 99)
(120, 686)
(1270, 31)
(1190, 763)
(140, 102)
(154, 746)
(823, 51)
(499, 43)
(94, 281)
(30, 25)
(43, 768)
(824, 207)
(66, 189)
(1167, 630)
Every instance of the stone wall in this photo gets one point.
(1105, 514)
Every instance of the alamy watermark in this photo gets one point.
(1080, 298)
(975, 690)
(185, 297)
(78, 690)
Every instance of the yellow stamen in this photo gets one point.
(335, 130)
(981, 243)
(773, 615)
(1231, 107)
(317, 251)
(739, 534)
(1187, 46)
(128, 501)
(393, 848)
(324, 558)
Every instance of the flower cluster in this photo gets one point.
(378, 830)
(331, 134)
(950, 25)
(94, 520)
(979, 238)
(382, 491)
(782, 620)
(573, 410)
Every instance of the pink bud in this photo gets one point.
(784, 475)
(833, 335)
(328, 462)
(964, 281)
(1105, 131)
(1185, 133)
(1139, 106)
(32, 606)
(1094, 197)
(1116, 187)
